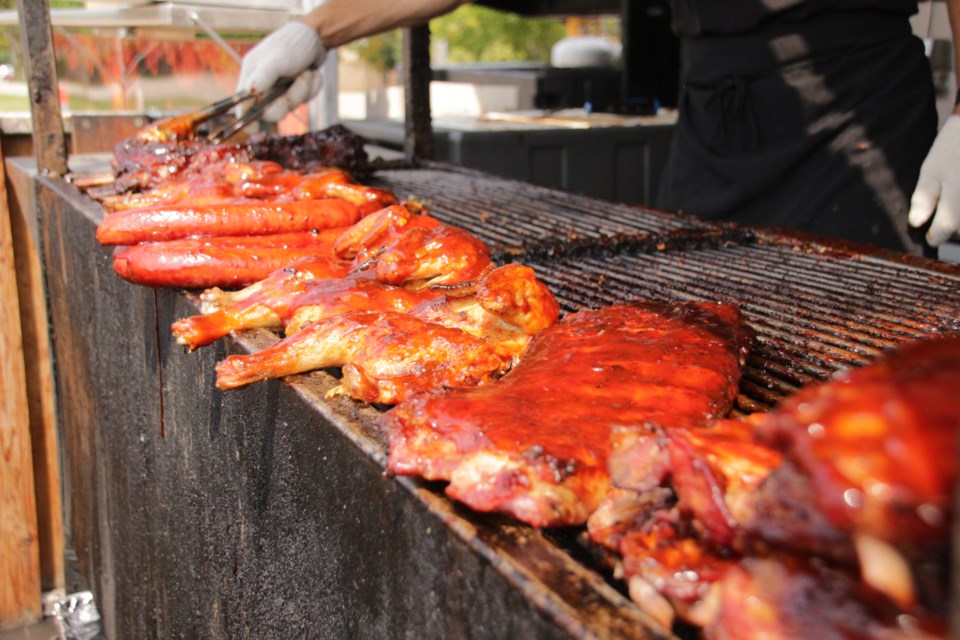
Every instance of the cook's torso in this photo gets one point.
(725, 17)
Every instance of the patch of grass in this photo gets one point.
(14, 103)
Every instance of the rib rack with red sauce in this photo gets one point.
(535, 443)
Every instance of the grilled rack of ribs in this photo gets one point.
(535, 443)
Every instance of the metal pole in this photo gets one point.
(331, 91)
(418, 128)
(49, 141)
(216, 37)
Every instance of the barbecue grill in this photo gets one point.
(265, 512)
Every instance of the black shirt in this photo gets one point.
(723, 17)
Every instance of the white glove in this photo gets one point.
(292, 51)
(939, 186)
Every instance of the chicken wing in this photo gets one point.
(509, 307)
(444, 256)
(386, 357)
(266, 304)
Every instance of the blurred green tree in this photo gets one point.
(473, 34)
(478, 34)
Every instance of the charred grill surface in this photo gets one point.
(816, 308)
(813, 315)
(513, 216)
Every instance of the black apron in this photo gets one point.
(815, 120)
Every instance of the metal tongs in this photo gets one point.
(260, 101)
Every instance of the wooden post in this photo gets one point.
(48, 137)
(418, 128)
(20, 586)
(38, 367)
(27, 426)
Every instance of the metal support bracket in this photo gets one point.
(418, 127)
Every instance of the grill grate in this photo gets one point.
(813, 314)
(505, 213)
(814, 311)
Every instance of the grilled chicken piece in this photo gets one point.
(216, 299)
(305, 301)
(509, 307)
(228, 219)
(443, 256)
(354, 240)
(339, 184)
(375, 232)
(531, 307)
(670, 573)
(386, 357)
(225, 261)
(267, 304)
(271, 303)
(875, 449)
(535, 443)
(359, 292)
(879, 442)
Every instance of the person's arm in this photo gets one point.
(339, 22)
(938, 189)
(299, 48)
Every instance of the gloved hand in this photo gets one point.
(938, 188)
(292, 51)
